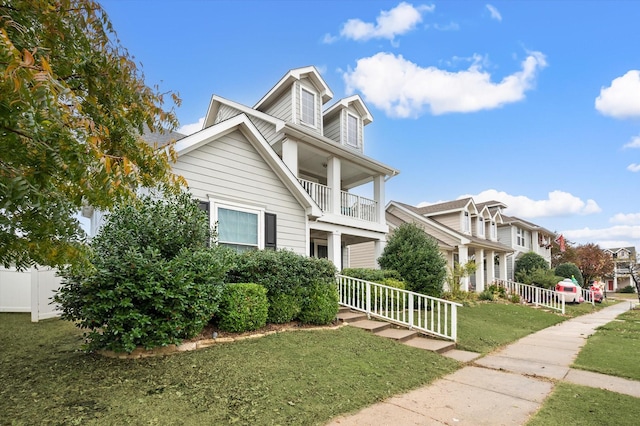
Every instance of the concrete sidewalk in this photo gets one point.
(505, 387)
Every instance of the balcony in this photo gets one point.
(351, 205)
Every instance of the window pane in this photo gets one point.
(237, 227)
(307, 107)
(352, 130)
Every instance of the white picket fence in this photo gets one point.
(437, 317)
(537, 296)
(29, 291)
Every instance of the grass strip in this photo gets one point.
(571, 404)
(614, 348)
(302, 377)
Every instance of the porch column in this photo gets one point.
(491, 272)
(463, 258)
(378, 196)
(334, 243)
(378, 248)
(480, 270)
(290, 155)
(503, 266)
(333, 182)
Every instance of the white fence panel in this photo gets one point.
(29, 291)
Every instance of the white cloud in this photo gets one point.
(495, 14)
(451, 26)
(622, 98)
(559, 203)
(615, 236)
(633, 167)
(390, 23)
(633, 143)
(626, 218)
(403, 89)
(189, 129)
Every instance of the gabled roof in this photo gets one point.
(394, 221)
(217, 101)
(446, 207)
(356, 102)
(512, 220)
(631, 250)
(285, 82)
(248, 129)
(159, 140)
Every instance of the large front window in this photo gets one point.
(307, 107)
(521, 237)
(238, 229)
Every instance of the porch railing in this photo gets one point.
(537, 296)
(426, 314)
(351, 205)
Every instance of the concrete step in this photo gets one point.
(434, 345)
(370, 325)
(397, 334)
(351, 316)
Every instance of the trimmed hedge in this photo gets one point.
(243, 307)
(319, 303)
(374, 275)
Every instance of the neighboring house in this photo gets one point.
(624, 259)
(523, 237)
(464, 231)
(280, 174)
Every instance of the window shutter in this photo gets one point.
(270, 231)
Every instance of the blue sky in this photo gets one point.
(533, 103)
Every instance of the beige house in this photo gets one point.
(464, 231)
(281, 173)
(624, 275)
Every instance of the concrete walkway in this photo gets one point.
(505, 387)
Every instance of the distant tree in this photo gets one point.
(559, 257)
(593, 262)
(417, 258)
(73, 105)
(568, 270)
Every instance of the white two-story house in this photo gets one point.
(465, 231)
(624, 274)
(280, 174)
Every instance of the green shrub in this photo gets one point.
(528, 262)
(514, 298)
(417, 258)
(243, 307)
(374, 275)
(497, 291)
(627, 289)
(281, 272)
(319, 303)
(568, 270)
(541, 277)
(487, 294)
(283, 308)
(152, 282)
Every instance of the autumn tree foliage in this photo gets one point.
(73, 105)
(593, 262)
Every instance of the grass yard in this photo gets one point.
(614, 348)
(482, 328)
(302, 377)
(579, 405)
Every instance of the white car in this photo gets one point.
(572, 292)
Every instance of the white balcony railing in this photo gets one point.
(437, 317)
(321, 194)
(351, 205)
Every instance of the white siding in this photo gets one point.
(226, 112)
(267, 129)
(332, 128)
(451, 220)
(281, 108)
(362, 256)
(231, 168)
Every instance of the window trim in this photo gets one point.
(315, 112)
(480, 226)
(230, 205)
(357, 125)
(466, 222)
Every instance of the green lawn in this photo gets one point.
(488, 326)
(614, 348)
(302, 377)
(579, 405)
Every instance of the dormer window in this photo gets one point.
(481, 226)
(352, 130)
(493, 230)
(467, 223)
(307, 107)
